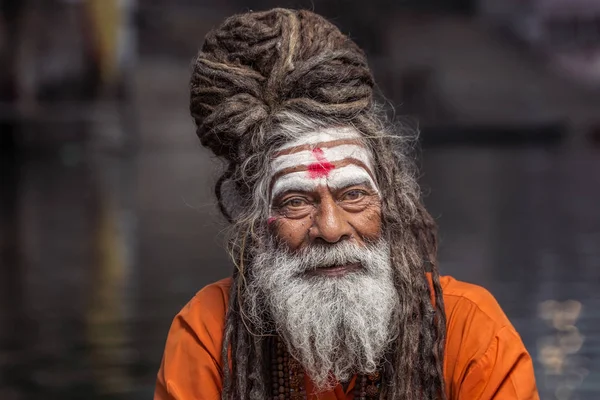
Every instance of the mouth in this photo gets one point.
(335, 270)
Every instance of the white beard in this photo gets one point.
(332, 325)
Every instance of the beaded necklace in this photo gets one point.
(287, 378)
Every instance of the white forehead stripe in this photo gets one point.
(338, 178)
(325, 135)
(322, 152)
(331, 154)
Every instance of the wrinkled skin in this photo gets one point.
(327, 216)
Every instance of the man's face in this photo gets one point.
(325, 275)
(323, 191)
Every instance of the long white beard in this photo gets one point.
(332, 325)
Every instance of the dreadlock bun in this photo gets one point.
(258, 64)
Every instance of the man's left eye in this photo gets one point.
(354, 194)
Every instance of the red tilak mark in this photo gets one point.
(321, 168)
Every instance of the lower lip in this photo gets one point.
(336, 271)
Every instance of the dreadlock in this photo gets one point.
(260, 79)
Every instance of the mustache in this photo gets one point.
(320, 255)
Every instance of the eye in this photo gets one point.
(294, 207)
(294, 202)
(354, 194)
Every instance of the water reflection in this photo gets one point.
(558, 355)
(99, 252)
(110, 305)
(524, 223)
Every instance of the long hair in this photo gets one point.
(260, 80)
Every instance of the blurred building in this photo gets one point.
(567, 32)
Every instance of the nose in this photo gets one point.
(329, 223)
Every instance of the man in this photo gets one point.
(335, 292)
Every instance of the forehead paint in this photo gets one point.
(338, 178)
(321, 154)
(324, 135)
(332, 157)
(320, 168)
(271, 220)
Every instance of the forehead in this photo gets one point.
(321, 136)
(336, 157)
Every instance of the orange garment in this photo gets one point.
(484, 359)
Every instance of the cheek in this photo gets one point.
(293, 232)
(368, 222)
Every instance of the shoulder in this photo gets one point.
(483, 350)
(475, 322)
(464, 300)
(191, 366)
(203, 317)
(214, 294)
(209, 305)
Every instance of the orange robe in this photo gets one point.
(484, 359)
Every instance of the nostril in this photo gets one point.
(320, 241)
(345, 237)
(330, 240)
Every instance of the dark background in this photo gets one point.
(107, 221)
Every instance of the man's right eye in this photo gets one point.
(294, 202)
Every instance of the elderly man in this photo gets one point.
(335, 292)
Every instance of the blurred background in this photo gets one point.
(108, 225)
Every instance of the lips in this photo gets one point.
(336, 270)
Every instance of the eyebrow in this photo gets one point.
(338, 179)
(341, 178)
(354, 181)
(295, 185)
(335, 164)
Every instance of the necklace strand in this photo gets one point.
(287, 378)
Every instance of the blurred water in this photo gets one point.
(525, 223)
(108, 249)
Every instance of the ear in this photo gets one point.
(220, 194)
